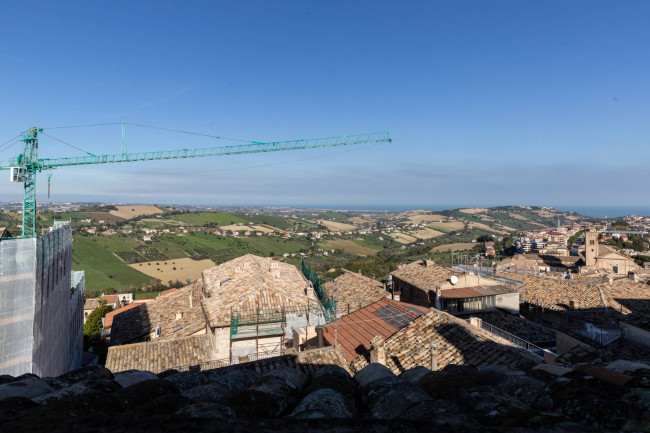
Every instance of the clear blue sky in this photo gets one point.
(488, 102)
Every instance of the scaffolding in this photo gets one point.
(326, 299)
(262, 324)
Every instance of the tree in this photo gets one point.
(93, 325)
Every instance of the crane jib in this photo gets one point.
(27, 164)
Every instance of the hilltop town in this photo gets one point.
(398, 302)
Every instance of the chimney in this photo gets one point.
(572, 304)
(190, 300)
(475, 321)
(319, 335)
(377, 351)
(179, 315)
(434, 354)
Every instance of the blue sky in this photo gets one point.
(488, 102)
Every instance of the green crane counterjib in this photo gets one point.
(29, 163)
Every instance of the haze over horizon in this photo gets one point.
(488, 103)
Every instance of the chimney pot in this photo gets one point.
(319, 335)
(377, 350)
(434, 353)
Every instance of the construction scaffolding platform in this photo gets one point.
(257, 323)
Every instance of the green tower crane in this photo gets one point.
(25, 166)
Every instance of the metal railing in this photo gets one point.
(488, 272)
(517, 341)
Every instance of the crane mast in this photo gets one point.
(24, 167)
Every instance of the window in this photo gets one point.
(591, 242)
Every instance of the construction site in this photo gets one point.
(42, 299)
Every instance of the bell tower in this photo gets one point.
(591, 246)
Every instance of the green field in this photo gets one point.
(203, 218)
(302, 224)
(95, 256)
(334, 216)
(274, 221)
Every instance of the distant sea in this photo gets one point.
(592, 211)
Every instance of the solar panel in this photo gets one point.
(393, 317)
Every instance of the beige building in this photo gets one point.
(604, 257)
(430, 285)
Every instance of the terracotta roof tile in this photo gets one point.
(355, 330)
(250, 282)
(178, 314)
(355, 291)
(457, 343)
(160, 355)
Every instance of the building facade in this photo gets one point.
(41, 305)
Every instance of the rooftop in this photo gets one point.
(556, 294)
(249, 283)
(475, 292)
(457, 342)
(160, 355)
(91, 303)
(355, 291)
(178, 314)
(423, 273)
(355, 330)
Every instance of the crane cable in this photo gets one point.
(68, 144)
(153, 127)
(8, 143)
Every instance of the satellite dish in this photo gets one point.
(454, 280)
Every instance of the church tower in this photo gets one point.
(591, 246)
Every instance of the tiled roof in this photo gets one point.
(108, 318)
(556, 294)
(355, 330)
(308, 361)
(91, 304)
(355, 291)
(475, 292)
(457, 343)
(250, 282)
(137, 322)
(423, 274)
(160, 355)
(110, 299)
(516, 325)
(167, 292)
(627, 296)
